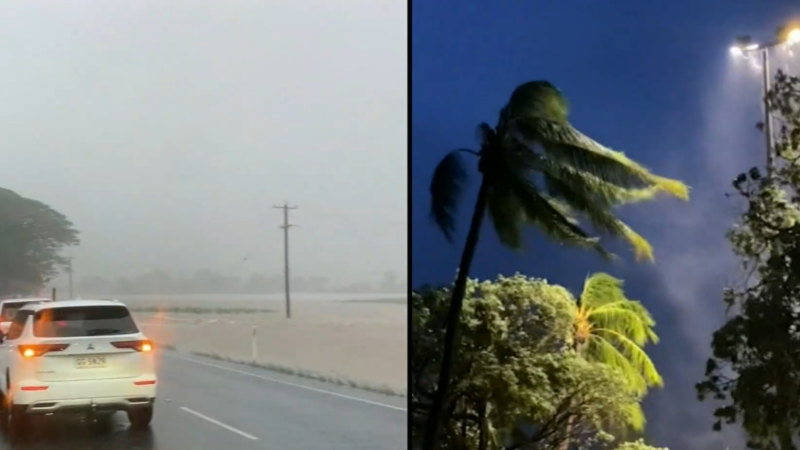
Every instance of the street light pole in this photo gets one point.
(767, 113)
(789, 35)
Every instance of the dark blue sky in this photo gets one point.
(654, 80)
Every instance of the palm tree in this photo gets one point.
(612, 329)
(537, 169)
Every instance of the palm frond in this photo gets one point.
(601, 288)
(540, 212)
(485, 134)
(446, 187)
(603, 219)
(566, 145)
(559, 179)
(627, 319)
(505, 211)
(641, 247)
(607, 307)
(602, 350)
(634, 306)
(634, 354)
(535, 99)
(635, 416)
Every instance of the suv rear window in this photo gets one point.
(74, 321)
(15, 330)
(9, 309)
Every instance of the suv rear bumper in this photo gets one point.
(121, 392)
(96, 405)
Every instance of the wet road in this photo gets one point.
(207, 404)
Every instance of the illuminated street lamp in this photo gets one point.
(788, 35)
(793, 36)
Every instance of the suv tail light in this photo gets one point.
(139, 346)
(30, 351)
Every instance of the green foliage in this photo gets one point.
(754, 372)
(541, 171)
(31, 238)
(517, 381)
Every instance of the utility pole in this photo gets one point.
(286, 225)
(69, 271)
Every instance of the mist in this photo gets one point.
(700, 262)
(166, 132)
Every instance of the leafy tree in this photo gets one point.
(520, 381)
(537, 169)
(755, 368)
(32, 236)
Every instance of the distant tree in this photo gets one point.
(521, 384)
(534, 141)
(389, 282)
(755, 368)
(308, 284)
(32, 235)
(125, 286)
(206, 281)
(156, 282)
(316, 283)
(93, 284)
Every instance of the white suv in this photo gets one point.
(9, 307)
(76, 356)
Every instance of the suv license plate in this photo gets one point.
(90, 362)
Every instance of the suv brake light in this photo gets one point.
(30, 351)
(139, 346)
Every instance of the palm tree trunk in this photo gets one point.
(453, 318)
(482, 437)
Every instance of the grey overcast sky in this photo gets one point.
(166, 131)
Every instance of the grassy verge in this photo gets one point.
(199, 310)
(341, 381)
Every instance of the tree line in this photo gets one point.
(33, 237)
(205, 281)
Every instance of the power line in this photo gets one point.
(286, 225)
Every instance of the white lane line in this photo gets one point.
(217, 422)
(308, 388)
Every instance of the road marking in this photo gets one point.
(217, 422)
(308, 388)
